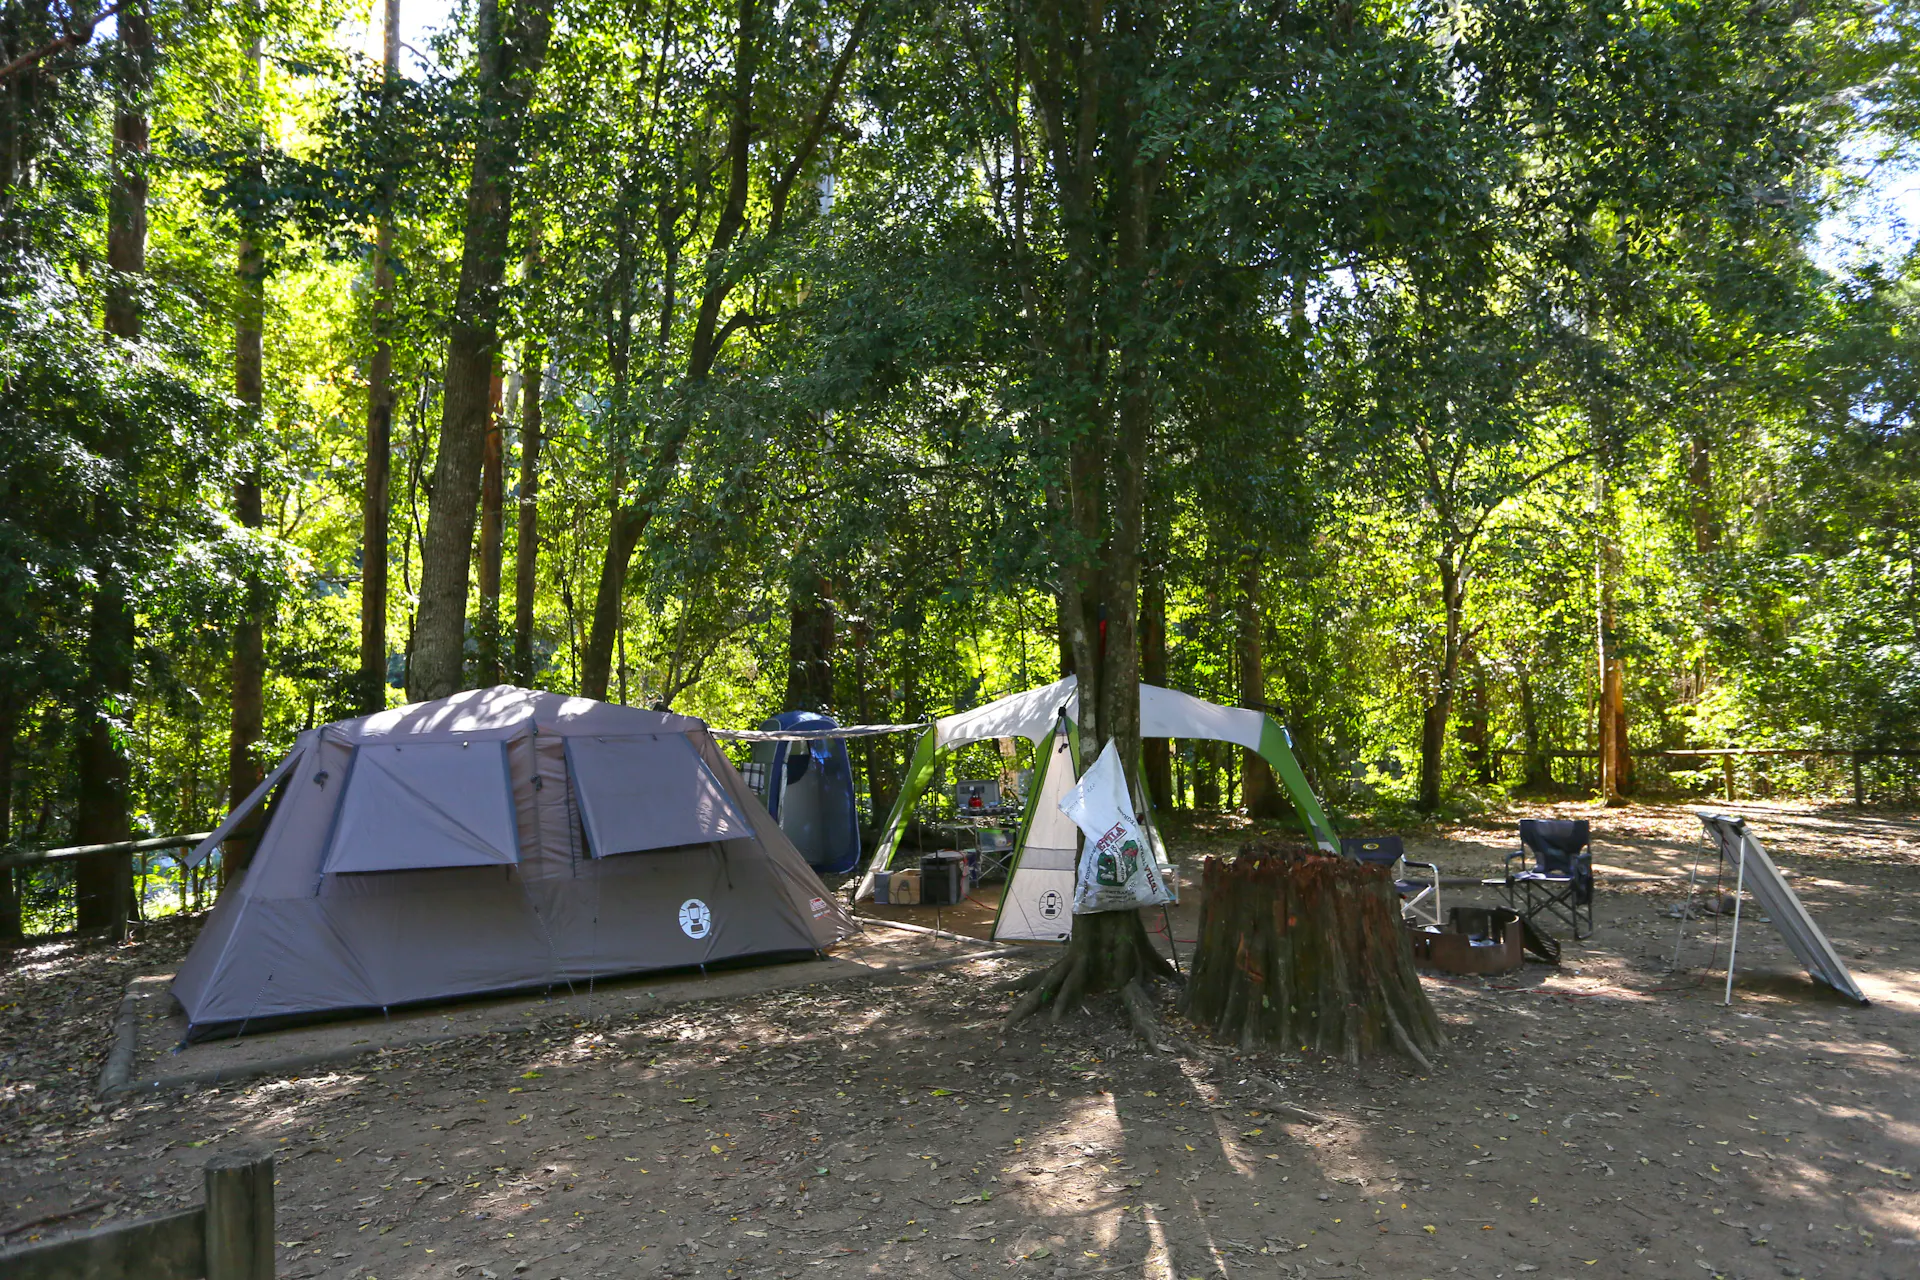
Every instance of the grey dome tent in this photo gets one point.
(496, 840)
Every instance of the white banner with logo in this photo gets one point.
(1117, 871)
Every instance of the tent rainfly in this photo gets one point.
(496, 840)
(1038, 901)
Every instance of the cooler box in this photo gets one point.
(880, 881)
(943, 879)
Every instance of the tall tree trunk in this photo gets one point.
(1609, 672)
(10, 877)
(1536, 775)
(493, 479)
(506, 80)
(1433, 718)
(1702, 513)
(876, 753)
(632, 515)
(1258, 794)
(249, 664)
(377, 492)
(1156, 753)
(103, 883)
(809, 641)
(1474, 733)
(526, 548)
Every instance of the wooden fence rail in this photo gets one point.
(33, 857)
(1728, 755)
(230, 1237)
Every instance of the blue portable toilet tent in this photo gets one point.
(808, 788)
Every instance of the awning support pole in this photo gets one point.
(1733, 947)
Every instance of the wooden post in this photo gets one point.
(1726, 769)
(240, 1216)
(1859, 790)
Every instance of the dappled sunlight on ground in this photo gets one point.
(1605, 1118)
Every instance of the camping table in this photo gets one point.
(969, 827)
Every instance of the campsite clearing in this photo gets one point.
(1606, 1118)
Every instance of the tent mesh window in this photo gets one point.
(423, 805)
(649, 792)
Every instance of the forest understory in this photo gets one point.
(1604, 1118)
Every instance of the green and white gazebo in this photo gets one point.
(1038, 902)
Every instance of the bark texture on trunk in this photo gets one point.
(1610, 735)
(810, 629)
(493, 496)
(1258, 793)
(103, 883)
(1301, 950)
(248, 666)
(249, 662)
(1156, 754)
(1439, 708)
(376, 498)
(508, 70)
(526, 547)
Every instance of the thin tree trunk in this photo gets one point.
(377, 492)
(10, 877)
(103, 883)
(809, 641)
(438, 667)
(710, 334)
(1474, 734)
(249, 650)
(526, 550)
(1536, 775)
(1433, 718)
(1156, 753)
(1258, 794)
(492, 537)
(1609, 672)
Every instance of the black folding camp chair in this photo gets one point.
(1419, 898)
(1559, 882)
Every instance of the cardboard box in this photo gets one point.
(903, 888)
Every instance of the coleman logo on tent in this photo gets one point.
(819, 907)
(695, 920)
(1052, 903)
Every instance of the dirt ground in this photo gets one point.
(1606, 1118)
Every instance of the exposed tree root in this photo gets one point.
(1141, 1013)
(1110, 952)
(1025, 982)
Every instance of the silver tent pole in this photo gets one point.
(1739, 884)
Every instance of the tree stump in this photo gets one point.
(1303, 950)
